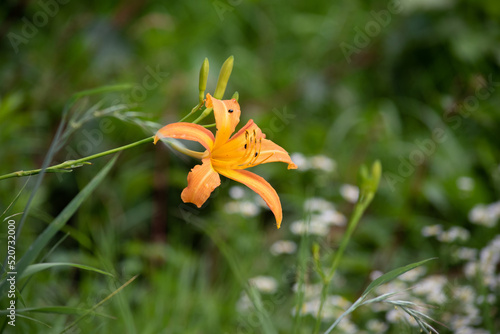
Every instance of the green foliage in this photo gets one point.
(420, 94)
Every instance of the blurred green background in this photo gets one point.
(414, 83)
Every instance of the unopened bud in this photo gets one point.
(225, 73)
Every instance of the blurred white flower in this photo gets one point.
(464, 294)
(334, 306)
(453, 234)
(377, 326)
(322, 162)
(347, 326)
(432, 288)
(375, 274)
(465, 183)
(318, 204)
(330, 217)
(314, 227)
(283, 247)
(395, 316)
(301, 161)
(264, 284)
(349, 192)
(413, 275)
(432, 230)
(245, 208)
(489, 259)
(236, 192)
(486, 215)
(465, 253)
(249, 209)
(244, 303)
(311, 291)
(490, 299)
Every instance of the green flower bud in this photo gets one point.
(224, 75)
(203, 79)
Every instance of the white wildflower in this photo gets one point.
(349, 192)
(283, 247)
(236, 192)
(313, 227)
(432, 288)
(465, 183)
(455, 233)
(413, 275)
(376, 326)
(264, 284)
(301, 161)
(432, 230)
(322, 162)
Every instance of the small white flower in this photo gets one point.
(453, 234)
(349, 192)
(318, 204)
(486, 215)
(249, 209)
(413, 275)
(245, 208)
(301, 161)
(244, 303)
(465, 183)
(311, 291)
(314, 227)
(236, 192)
(395, 316)
(283, 247)
(377, 326)
(375, 274)
(464, 253)
(264, 284)
(330, 217)
(432, 230)
(322, 162)
(432, 288)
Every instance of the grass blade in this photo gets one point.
(49, 232)
(392, 275)
(34, 268)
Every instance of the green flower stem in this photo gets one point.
(359, 209)
(196, 108)
(67, 166)
(204, 114)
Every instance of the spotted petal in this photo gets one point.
(188, 131)
(202, 180)
(248, 147)
(260, 186)
(227, 116)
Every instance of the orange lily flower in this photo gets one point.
(228, 156)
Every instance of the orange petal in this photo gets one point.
(202, 180)
(188, 131)
(239, 151)
(227, 116)
(260, 186)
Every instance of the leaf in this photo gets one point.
(34, 268)
(43, 239)
(56, 310)
(392, 275)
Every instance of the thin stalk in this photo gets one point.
(359, 209)
(68, 165)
